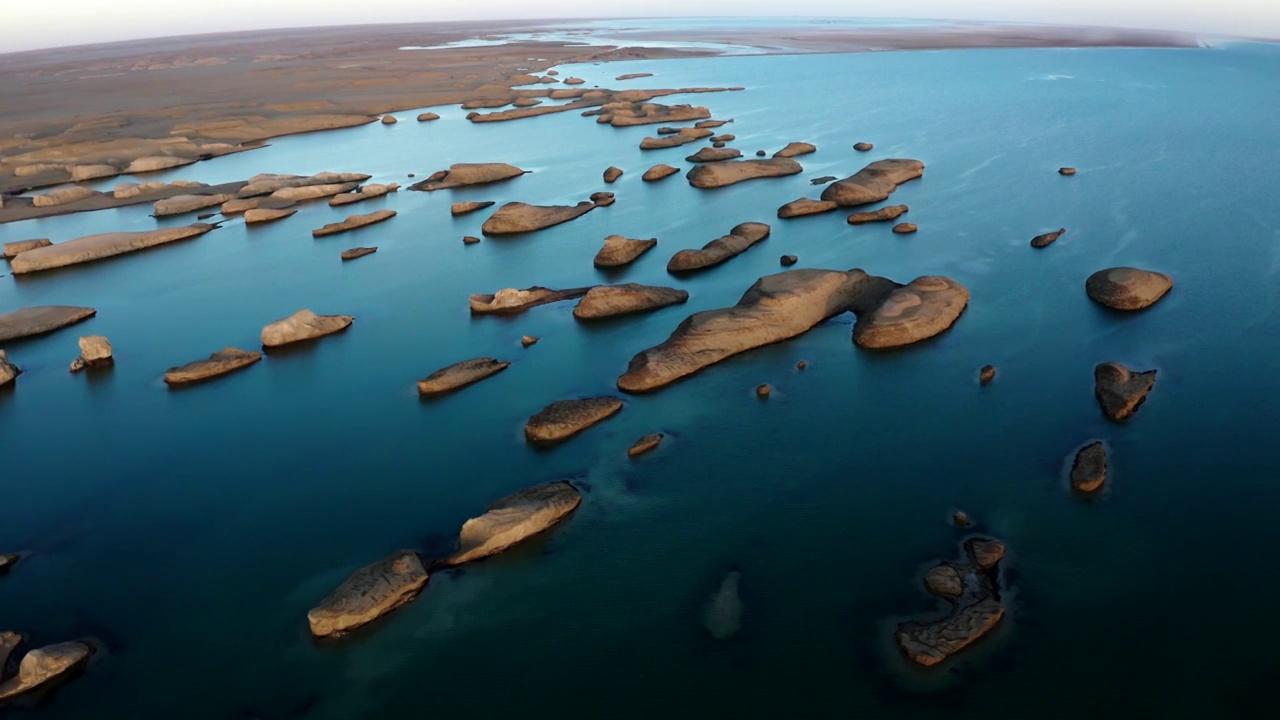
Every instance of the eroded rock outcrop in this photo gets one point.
(905, 228)
(155, 163)
(1089, 470)
(364, 192)
(629, 114)
(658, 172)
(917, 311)
(463, 208)
(683, 137)
(313, 192)
(794, 149)
(427, 117)
(563, 419)
(353, 222)
(619, 251)
(1121, 391)
(95, 351)
(253, 216)
(180, 204)
(64, 196)
(303, 325)
(729, 172)
(884, 214)
(358, 252)
(514, 519)
(465, 174)
(368, 594)
(269, 183)
(863, 146)
(648, 443)
(971, 589)
(45, 667)
(1047, 239)
(460, 375)
(96, 247)
(1127, 288)
(8, 373)
(739, 239)
(223, 362)
(41, 319)
(518, 217)
(11, 249)
(714, 155)
(611, 174)
(873, 183)
(511, 301)
(805, 206)
(603, 301)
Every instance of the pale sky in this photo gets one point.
(56, 23)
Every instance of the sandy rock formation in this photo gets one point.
(358, 252)
(8, 372)
(972, 591)
(269, 184)
(1119, 390)
(563, 419)
(763, 390)
(723, 138)
(513, 519)
(729, 172)
(11, 249)
(683, 137)
(917, 311)
(863, 146)
(804, 206)
(884, 214)
(633, 76)
(80, 173)
(1067, 171)
(645, 444)
(63, 196)
(303, 325)
(470, 239)
(155, 163)
(1047, 239)
(603, 301)
(528, 341)
(722, 615)
(460, 375)
(794, 149)
(739, 239)
(714, 155)
(629, 114)
(40, 319)
(179, 204)
(511, 301)
(464, 174)
(96, 247)
(462, 208)
(46, 666)
(658, 172)
(873, 183)
(353, 222)
(368, 594)
(313, 192)
(389, 120)
(238, 206)
(427, 116)
(619, 251)
(1127, 288)
(518, 217)
(611, 174)
(95, 350)
(1089, 470)
(364, 192)
(526, 102)
(226, 360)
(905, 228)
(263, 215)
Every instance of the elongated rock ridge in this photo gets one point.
(518, 217)
(739, 239)
(604, 301)
(513, 519)
(223, 362)
(511, 301)
(303, 325)
(464, 174)
(729, 172)
(41, 319)
(460, 375)
(96, 247)
(873, 183)
(563, 419)
(368, 594)
(353, 222)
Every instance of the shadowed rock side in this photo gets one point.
(460, 375)
(717, 251)
(41, 319)
(96, 247)
(658, 172)
(255, 216)
(464, 174)
(358, 252)
(805, 206)
(303, 325)
(514, 519)
(9, 641)
(462, 208)
(645, 444)
(794, 149)
(8, 372)
(368, 594)
(722, 615)
(971, 588)
(518, 217)
(11, 249)
(226, 360)
(714, 155)
(1089, 471)
(511, 301)
(45, 667)
(353, 222)
(884, 214)
(1127, 288)
(179, 204)
(1047, 239)
(619, 251)
(1119, 390)
(729, 172)
(603, 301)
(776, 308)
(563, 419)
(367, 192)
(683, 137)
(873, 183)
(917, 311)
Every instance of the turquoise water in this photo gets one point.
(192, 530)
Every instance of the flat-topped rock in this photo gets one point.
(253, 216)
(714, 155)
(511, 301)
(45, 667)
(1047, 239)
(917, 311)
(603, 301)
(95, 351)
(884, 214)
(739, 239)
(611, 174)
(805, 206)
(223, 362)
(238, 206)
(94, 171)
(619, 251)
(1089, 470)
(513, 519)
(462, 208)
(427, 117)
(629, 114)
(8, 372)
(1067, 171)
(269, 183)
(1121, 391)
(526, 102)
(633, 76)
(96, 247)
(794, 149)
(722, 615)
(460, 375)
(518, 217)
(863, 146)
(563, 419)
(682, 137)
(658, 172)
(179, 204)
(776, 308)
(303, 325)
(573, 81)
(364, 192)
(822, 180)
(40, 319)
(971, 590)
(1127, 288)
(905, 228)
(11, 249)
(727, 137)
(155, 163)
(313, 192)
(464, 174)
(873, 183)
(730, 172)
(389, 120)
(353, 222)
(648, 443)
(64, 196)
(369, 593)
(358, 252)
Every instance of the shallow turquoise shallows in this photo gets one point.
(191, 531)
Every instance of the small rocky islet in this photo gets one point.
(738, 241)
(971, 589)
(563, 419)
(619, 251)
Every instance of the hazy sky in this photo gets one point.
(55, 23)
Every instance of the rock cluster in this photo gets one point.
(971, 588)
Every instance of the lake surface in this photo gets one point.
(191, 531)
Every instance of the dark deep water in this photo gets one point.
(192, 530)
